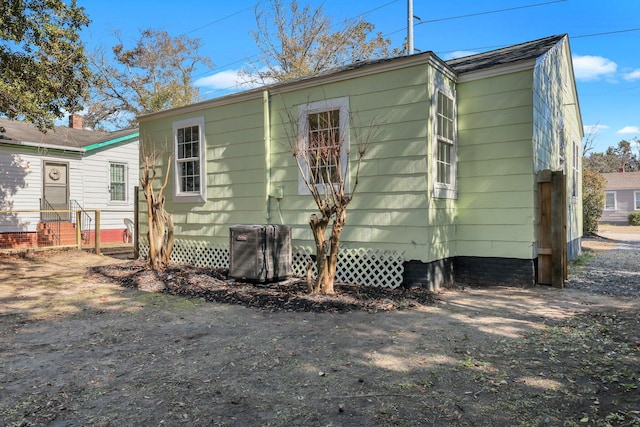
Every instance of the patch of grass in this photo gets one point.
(583, 259)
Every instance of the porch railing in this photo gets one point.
(52, 218)
(85, 219)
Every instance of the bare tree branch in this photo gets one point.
(297, 41)
(155, 74)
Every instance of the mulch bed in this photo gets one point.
(288, 295)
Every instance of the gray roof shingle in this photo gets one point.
(507, 55)
(622, 180)
(16, 132)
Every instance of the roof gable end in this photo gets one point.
(523, 52)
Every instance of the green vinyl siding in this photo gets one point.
(558, 127)
(392, 208)
(495, 167)
(235, 181)
(503, 121)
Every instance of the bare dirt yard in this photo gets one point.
(82, 345)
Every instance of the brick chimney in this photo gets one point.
(75, 121)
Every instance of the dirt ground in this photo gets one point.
(80, 349)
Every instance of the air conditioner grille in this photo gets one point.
(260, 252)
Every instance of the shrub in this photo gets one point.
(634, 218)
(593, 184)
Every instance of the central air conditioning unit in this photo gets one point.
(260, 253)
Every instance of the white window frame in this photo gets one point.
(576, 173)
(615, 201)
(636, 200)
(340, 104)
(126, 182)
(441, 189)
(200, 194)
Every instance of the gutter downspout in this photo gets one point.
(267, 151)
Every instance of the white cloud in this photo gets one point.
(227, 80)
(629, 130)
(593, 67)
(634, 75)
(459, 54)
(594, 129)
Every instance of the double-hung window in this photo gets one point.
(636, 200)
(323, 138)
(117, 182)
(189, 148)
(445, 146)
(610, 201)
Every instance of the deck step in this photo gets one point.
(119, 252)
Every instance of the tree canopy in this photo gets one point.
(297, 41)
(154, 75)
(615, 159)
(44, 69)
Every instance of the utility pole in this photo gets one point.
(410, 26)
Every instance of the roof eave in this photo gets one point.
(43, 145)
(312, 81)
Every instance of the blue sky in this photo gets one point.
(604, 38)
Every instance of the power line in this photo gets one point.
(422, 22)
(490, 12)
(379, 7)
(605, 33)
(220, 19)
(479, 14)
(253, 56)
(572, 38)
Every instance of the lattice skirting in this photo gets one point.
(194, 252)
(370, 267)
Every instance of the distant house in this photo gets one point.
(473, 172)
(622, 196)
(67, 168)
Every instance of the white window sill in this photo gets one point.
(188, 198)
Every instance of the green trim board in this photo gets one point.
(112, 141)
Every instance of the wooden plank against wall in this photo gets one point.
(557, 229)
(544, 233)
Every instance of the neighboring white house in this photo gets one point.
(67, 168)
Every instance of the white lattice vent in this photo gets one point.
(194, 252)
(300, 258)
(143, 247)
(370, 267)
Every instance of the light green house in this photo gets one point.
(450, 189)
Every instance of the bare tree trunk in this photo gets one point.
(160, 232)
(323, 157)
(327, 251)
(332, 261)
(318, 228)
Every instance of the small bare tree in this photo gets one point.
(323, 155)
(160, 232)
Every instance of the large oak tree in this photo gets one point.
(44, 71)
